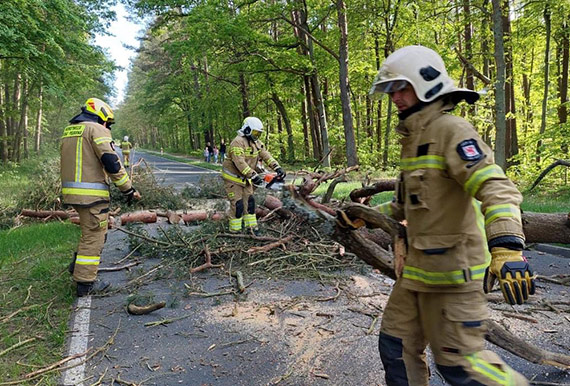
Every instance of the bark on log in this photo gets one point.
(378, 187)
(143, 310)
(59, 214)
(146, 217)
(546, 227)
(272, 202)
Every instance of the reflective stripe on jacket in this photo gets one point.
(126, 147)
(454, 199)
(242, 158)
(83, 177)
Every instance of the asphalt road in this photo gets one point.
(279, 332)
(177, 174)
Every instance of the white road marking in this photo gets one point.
(79, 342)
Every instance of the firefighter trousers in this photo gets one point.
(93, 223)
(452, 324)
(242, 206)
(126, 157)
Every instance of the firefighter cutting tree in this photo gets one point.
(88, 161)
(240, 175)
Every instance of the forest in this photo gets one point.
(304, 67)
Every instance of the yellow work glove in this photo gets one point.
(513, 273)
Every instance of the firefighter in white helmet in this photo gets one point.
(240, 176)
(459, 206)
(88, 164)
(126, 147)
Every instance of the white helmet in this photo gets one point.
(251, 127)
(126, 139)
(424, 69)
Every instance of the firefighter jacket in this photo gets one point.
(455, 199)
(88, 161)
(242, 158)
(126, 147)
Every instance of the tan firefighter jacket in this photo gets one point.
(454, 199)
(126, 147)
(242, 158)
(88, 161)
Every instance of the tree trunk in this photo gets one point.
(244, 96)
(3, 129)
(313, 124)
(316, 91)
(500, 119)
(39, 117)
(304, 123)
(563, 85)
(511, 139)
(387, 135)
(546, 81)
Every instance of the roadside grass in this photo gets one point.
(37, 298)
(547, 201)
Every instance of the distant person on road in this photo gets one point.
(222, 150)
(210, 151)
(238, 172)
(216, 154)
(459, 206)
(206, 154)
(88, 161)
(126, 147)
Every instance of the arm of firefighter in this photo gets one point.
(101, 142)
(266, 156)
(470, 161)
(237, 155)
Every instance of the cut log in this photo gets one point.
(272, 202)
(56, 214)
(143, 310)
(145, 217)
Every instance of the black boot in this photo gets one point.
(91, 288)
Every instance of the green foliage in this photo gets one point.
(37, 294)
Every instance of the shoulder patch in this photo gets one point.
(469, 150)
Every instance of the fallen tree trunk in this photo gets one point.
(546, 227)
(56, 214)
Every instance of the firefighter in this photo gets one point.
(240, 176)
(88, 161)
(459, 206)
(126, 147)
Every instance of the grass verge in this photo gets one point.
(37, 298)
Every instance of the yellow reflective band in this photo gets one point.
(235, 224)
(252, 155)
(126, 152)
(477, 179)
(73, 131)
(423, 162)
(79, 159)
(103, 224)
(100, 140)
(232, 178)
(237, 150)
(386, 208)
(87, 260)
(489, 370)
(502, 210)
(273, 162)
(246, 170)
(449, 277)
(86, 192)
(249, 220)
(443, 278)
(123, 180)
(481, 226)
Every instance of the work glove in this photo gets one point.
(513, 272)
(256, 180)
(131, 195)
(280, 173)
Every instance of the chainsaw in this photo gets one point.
(272, 181)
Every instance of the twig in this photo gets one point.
(15, 346)
(149, 239)
(166, 321)
(521, 317)
(112, 269)
(239, 278)
(129, 254)
(54, 365)
(207, 264)
(133, 309)
(333, 298)
(270, 246)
